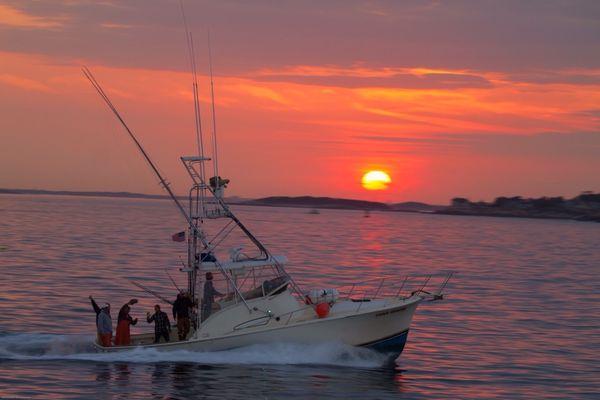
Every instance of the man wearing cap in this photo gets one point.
(98, 311)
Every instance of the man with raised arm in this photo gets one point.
(105, 326)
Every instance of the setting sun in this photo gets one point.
(376, 180)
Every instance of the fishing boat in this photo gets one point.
(261, 302)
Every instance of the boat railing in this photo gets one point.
(430, 286)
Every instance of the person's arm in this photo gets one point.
(174, 310)
(96, 308)
(132, 321)
(149, 318)
(212, 291)
(216, 292)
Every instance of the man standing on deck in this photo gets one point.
(181, 314)
(162, 325)
(124, 321)
(98, 312)
(209, 296)
(105, 326)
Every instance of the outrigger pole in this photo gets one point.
(163, 182)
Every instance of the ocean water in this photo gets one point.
(521, 318)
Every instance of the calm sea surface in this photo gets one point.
(521, 318)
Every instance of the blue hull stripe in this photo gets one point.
(394, 343)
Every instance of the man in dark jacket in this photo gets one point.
(162, 325)
(181, 313)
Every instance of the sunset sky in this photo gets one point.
(476, 99)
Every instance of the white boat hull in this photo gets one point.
(381, 326)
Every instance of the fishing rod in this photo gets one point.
(190, 44)
(172, 280)
(192, 245)
(152, 292)
(198, 121)
(214, 118)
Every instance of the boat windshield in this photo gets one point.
(250, 283)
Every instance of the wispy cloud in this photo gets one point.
(111, 25)
(360, 75)
(542, 144)
(24, 83)
(579, 76)
(445, 140)
(13, 17)
(357, 70)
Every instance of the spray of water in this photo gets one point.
(32, 347)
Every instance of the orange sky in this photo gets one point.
(309, 97)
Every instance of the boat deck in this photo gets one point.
(144, 339)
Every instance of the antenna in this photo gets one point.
(214, 119)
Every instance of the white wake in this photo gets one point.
(30, 346)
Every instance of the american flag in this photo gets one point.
(179, 237)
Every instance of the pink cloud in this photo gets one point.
(23, 83)
(13, 17)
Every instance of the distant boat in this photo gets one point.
(367, 214)
(314, 211)
(261, 302)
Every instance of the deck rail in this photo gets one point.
(429, 286)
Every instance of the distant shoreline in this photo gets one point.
(585, 207)
(83, 193)
(276, 201)
(121, 195)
